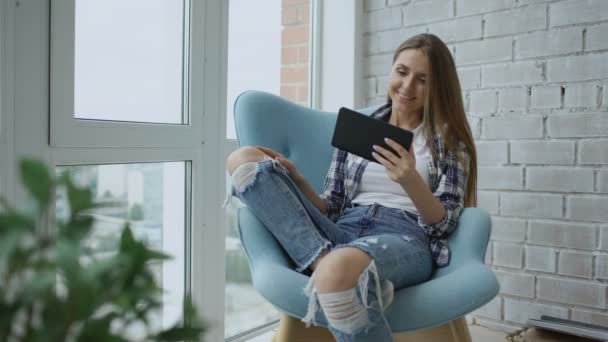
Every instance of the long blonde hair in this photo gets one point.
(443, 107)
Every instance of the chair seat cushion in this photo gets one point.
(447, 296)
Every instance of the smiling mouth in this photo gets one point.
(406, 98)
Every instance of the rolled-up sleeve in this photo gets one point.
(450, 192)
(333, 188)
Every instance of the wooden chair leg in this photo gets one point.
(293, 330)
(454, 331)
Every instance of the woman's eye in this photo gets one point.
(422, 80)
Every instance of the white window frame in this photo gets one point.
(27, 111)
(67, 131)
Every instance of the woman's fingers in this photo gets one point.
(396, 146)
(382, 160)
(388, 155)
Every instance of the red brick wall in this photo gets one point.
(295, 43)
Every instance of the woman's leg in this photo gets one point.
(354, 282)
(265, 187)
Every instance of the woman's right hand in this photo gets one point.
(288, 164)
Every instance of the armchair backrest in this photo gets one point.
(302, 134)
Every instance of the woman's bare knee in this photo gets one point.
(340, 269)
(243, 155)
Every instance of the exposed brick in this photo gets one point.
(303, 54)
(470, 78)
(289, 55)
(512, 128)
(577, 68)
(547, 43)
(302, 93)
(577, 11)
(289, 92)
(508, 229)
(289, 15)
(587, 208)
(484, 51)
(492, 309)
(515, 21)
(581, 95)
(427, 11)
(488, 200)
(516, 284)
(562, 234)
(559, 179)
(457, 29)
(492, 152)
(596, 37)
(574, 292)
(577, 125)
(294, 35)
(586, 316)
(511, 74)
(294, 75)
(385, 19)
(542, 152)
(545, 97)
(483, 101)
(593, 151)
(601, 268)
(520, 311)
(540, 259)
(512, 99)
(469, 7)
(575, 264)
(501, 177)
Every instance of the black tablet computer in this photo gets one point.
(356, 133)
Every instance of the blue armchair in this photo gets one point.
(433, 310)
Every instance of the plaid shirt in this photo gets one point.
(447, 181)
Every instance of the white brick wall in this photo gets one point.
(519, 310)
(534, 74)
(582, 95)
(540, 259)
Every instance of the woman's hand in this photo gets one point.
(399, 167)
(288, 164)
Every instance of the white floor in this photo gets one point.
(478, 334)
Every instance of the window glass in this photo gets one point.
(129, 60)
(151, 197)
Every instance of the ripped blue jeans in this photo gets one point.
(399, 249)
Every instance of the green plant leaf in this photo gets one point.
(37, 180)
(180, 334)
(14, 220)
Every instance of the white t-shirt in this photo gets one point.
(376, 187)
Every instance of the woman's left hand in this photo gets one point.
(399, 167)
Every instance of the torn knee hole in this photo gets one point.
(244, 175)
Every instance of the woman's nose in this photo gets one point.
(407, 83)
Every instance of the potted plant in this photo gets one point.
(53, 288)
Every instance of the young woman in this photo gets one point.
(378, 226)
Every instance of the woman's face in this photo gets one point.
(407, 82)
